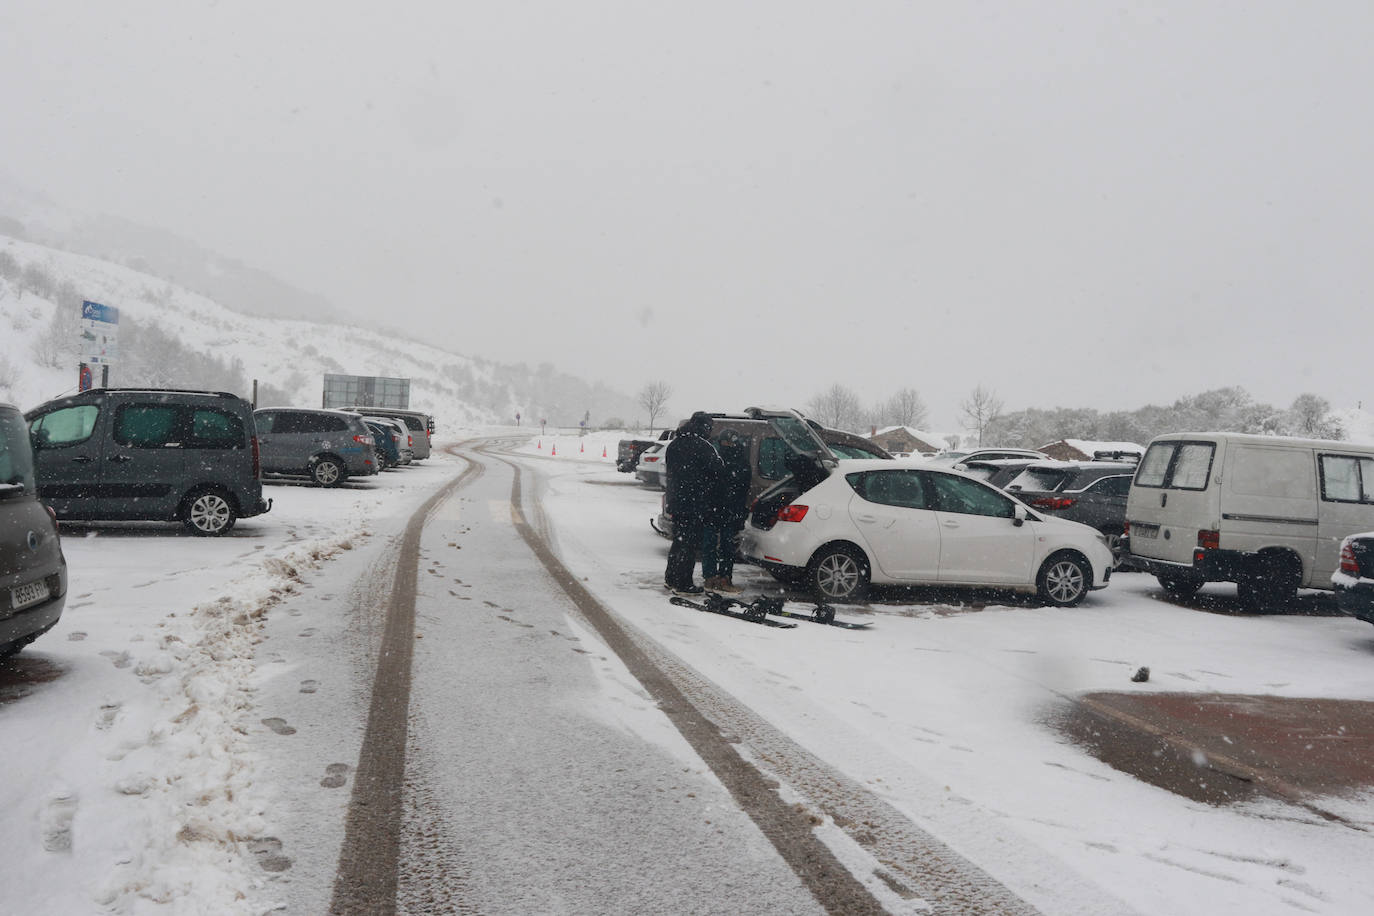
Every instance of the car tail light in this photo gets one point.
(55, 523)
(410, 441)
(363, 440)
(1053, 502)
(1125, 529)
(792, 513)
(1209, 540)
(649, 458)
(1349, 565)
(257, 459)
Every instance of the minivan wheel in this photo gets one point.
(838, 573)
(327, 472)
(210, 513)
(1180, 585)
(1064, 580)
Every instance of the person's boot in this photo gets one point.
(711, 583)
(725, 585)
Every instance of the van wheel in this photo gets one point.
(838, 573)
(1064, 580)
(327, 472)
(1271, 583)
(209, 513)
(1180, 585)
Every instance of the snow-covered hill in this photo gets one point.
(287, 356)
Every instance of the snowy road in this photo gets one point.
(194, 737)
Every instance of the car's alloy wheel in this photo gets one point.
(210, 513)
(839, 573)
(1064, 581)
(327, 472)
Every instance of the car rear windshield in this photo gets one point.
(799, 436)
(16, 457)
(1176, 465)
(1039, 479)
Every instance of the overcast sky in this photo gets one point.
(1075, 204)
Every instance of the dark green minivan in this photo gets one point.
(152, 454)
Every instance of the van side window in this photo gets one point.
(287, 422)
(1179, 465)
(263, 421)
(147, 425)
(215, 429)
(1347, 479)
(65, 426)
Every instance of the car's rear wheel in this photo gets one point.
(327, 472)
(209, 513)
(1064, 580)
(838, 572)
(1181, 584)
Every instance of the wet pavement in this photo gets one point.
(1226, 748)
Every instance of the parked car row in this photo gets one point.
(1270, 514)
(197, 457)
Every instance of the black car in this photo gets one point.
(1090, 492)
(154, 454)
(1354, 580)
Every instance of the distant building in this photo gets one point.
(1086, 450)
(366, 391)
(905, 440)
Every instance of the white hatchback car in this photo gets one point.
(907, 523)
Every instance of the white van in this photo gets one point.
(1265, 512)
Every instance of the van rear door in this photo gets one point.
(1346, 508)
(1171, 498)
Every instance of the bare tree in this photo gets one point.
(905, 408)
(837, 407)
(653, 397)
(981, 408)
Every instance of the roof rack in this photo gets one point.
(90, 392)
(1117, 455)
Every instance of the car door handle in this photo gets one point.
(120, 458)
(867, 518)
(82, 459)
(951, 523)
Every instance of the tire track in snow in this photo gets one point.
(366, 880)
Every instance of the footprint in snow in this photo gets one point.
(335, 775)
(309, 686)
(279, 726)
(268, 853)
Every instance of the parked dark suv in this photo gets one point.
(33, 572)
(329, 445)
(158, 454)
(1091, 492)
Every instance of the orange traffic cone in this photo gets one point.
(603, 451)
(553, 449)
(582, 447)
(540, 446)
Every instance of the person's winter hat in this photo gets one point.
(700, 423)
(730, 439)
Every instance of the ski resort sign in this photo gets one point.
(99, 334)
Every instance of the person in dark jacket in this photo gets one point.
(725, 518)
(692, 468)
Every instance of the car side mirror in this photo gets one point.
(1019, 514)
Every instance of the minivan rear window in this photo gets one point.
(1045, 479)
(1176, 465)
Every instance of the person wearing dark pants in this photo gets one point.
(692, 468)
(725, 517)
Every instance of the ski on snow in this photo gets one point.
(718, 604)
(757, 610)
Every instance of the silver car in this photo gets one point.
(33, 572)
(328, 445)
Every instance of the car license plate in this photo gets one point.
(1144, 531)
(31, 593)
